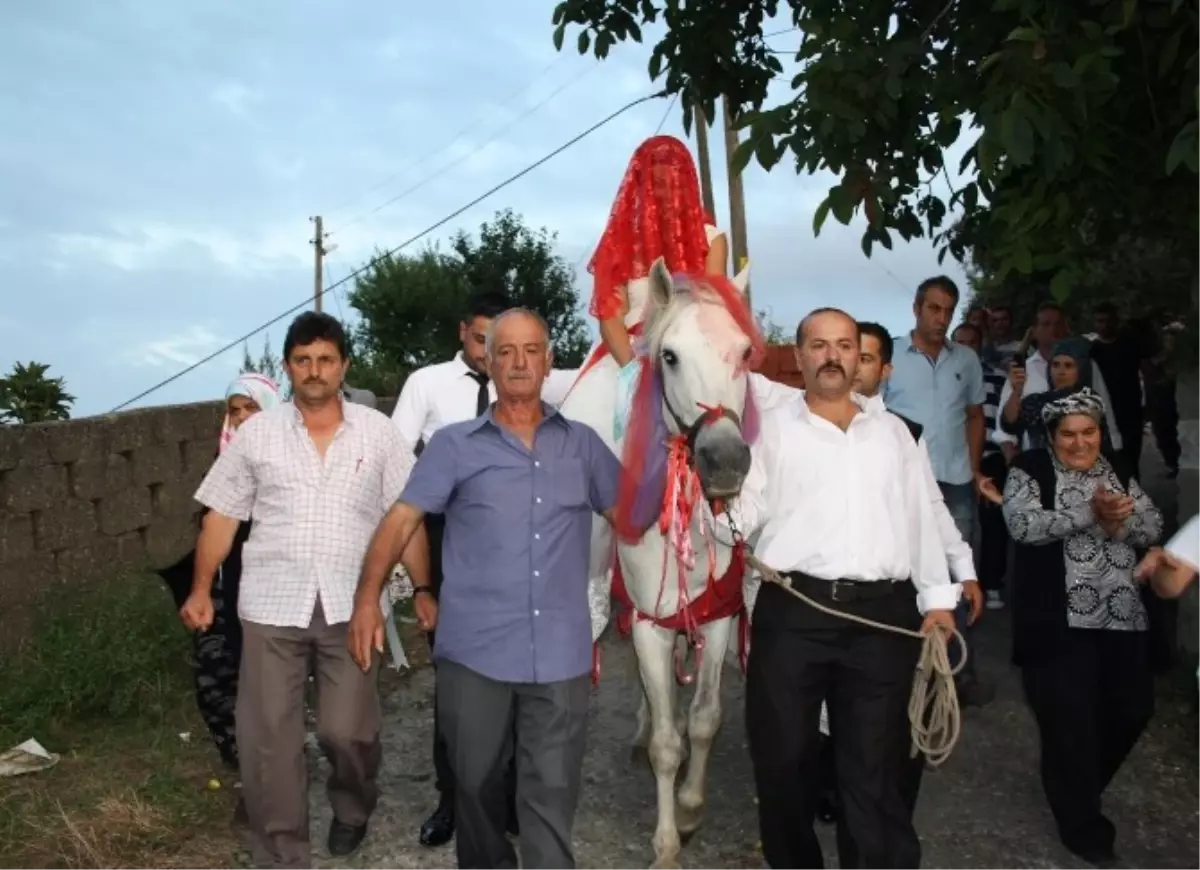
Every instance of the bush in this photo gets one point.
(101, 654)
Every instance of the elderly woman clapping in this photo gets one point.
(1079, 623)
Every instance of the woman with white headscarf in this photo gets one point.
(1080, 628)
(218, 651)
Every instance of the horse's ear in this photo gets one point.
(742, 279)
(661, 286)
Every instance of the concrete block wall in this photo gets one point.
(83, 499)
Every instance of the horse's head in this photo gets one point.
(702, 354)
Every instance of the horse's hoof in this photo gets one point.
(639, 755)
(688, 821)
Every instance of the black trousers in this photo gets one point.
(993, 544)
(435, 527)
(1092, 699)
(799, 657)
(1164, 419)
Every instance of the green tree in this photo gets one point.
(267, 364)
(27, 395)
(410, 306)
(1084, 114)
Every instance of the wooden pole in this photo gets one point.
(738, 242)
(318, 243)
(706, 189)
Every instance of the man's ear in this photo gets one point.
(886, 372)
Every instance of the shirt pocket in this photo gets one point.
(568, 483)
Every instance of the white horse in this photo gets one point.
(698, 352)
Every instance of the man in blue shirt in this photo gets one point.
(518, 487)
(939, 384)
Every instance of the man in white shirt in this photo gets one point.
(1032, 376)
(318, 474)
(843, 510)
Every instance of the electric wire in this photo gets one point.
(395, 250)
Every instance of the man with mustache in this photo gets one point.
(840, 500)
(317, 473)
(939, 384)
(518, 487)
(874, 368)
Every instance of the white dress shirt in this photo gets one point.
(959, 556)
(437, 396)
(844, 505)
(1037, 380)
(445, 393)
(313, 518)
(1185, 545)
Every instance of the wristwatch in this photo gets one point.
(417, 590)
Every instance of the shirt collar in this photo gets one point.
(350, 411)
(910, 346)
(870, 407)
(549, 412)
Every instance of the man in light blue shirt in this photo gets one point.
(939, 384)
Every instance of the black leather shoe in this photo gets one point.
(438, 829)
(827, 809)
(344, 839)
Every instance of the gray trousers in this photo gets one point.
(270, 733)
(486, 723)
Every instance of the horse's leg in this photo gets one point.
(704, 721)
(655, 652)
(641, 736)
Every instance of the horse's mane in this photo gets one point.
(644, 455)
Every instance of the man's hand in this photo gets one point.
(1017, 377)
(1150, 565)
(939, 619)
(365, 634)
(197, 611)
(974, 596)
(425, 606)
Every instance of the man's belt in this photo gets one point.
(841, 590)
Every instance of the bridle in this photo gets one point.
(709, 415)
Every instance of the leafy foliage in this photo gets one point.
(411, 306)
(27, 395)
(1086, 113)
(772, 332)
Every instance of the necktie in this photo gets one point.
(483, 399)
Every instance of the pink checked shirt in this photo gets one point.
(313, 520)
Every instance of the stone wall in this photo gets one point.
(83, 499)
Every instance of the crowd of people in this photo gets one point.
(952, 448)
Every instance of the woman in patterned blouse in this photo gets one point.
(1079, 623)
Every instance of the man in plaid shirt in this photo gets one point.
(317, 474)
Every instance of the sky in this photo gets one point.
(161, 160)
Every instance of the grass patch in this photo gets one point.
(106, 683)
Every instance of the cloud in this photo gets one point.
(236, 97)
(185, 348)
(158, 172)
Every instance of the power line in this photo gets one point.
(439, 173)
(666, 114)
(375, 260)
(464, 131)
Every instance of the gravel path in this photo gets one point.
(984, 809)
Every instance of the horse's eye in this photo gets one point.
(670, 358)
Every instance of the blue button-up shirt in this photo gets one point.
(936, 393)
(514, 598)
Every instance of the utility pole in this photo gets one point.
(706, 191)
(319, 252)
(737, 199)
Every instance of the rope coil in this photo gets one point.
(933, 712)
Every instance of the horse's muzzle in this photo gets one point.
(722, 464)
